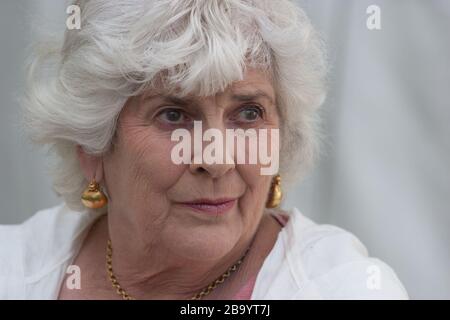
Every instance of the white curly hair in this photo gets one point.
(76, 88)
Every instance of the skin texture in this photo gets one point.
(163, 249)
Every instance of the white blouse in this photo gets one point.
(308, 261)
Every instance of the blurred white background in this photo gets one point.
(385, 175)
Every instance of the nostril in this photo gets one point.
(201, 169)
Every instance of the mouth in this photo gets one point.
(211, 206)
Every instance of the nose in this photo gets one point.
(201, 161)
(214, 170)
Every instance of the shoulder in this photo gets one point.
(38, 247)
(327, 262)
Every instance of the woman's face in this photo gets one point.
(148, 192)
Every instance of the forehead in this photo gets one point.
(256, 79)
(254, 82)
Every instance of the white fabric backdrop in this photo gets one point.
(385, 176)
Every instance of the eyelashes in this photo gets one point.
(172, 116)
(251, 113)
(246, 114)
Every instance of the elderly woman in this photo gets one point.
(135, 224)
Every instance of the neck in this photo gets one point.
(154, 273)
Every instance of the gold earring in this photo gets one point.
(275, 194)
(93, 197)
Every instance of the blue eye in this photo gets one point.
(250, 114)
(172, 116)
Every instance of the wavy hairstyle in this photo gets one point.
(76, 88)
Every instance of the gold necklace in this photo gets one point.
(207, 290)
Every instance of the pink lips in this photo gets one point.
(218, 206)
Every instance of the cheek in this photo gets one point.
(257, 186)
(162, 172)
(149, 164)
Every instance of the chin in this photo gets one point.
(205, 244)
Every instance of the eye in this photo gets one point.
(172, 116)
(250, 114)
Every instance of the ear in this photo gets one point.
(92, 166)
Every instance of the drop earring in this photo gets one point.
(93, 197)
(275, 194)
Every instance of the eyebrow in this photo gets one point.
(243, 97)
(252, 96)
